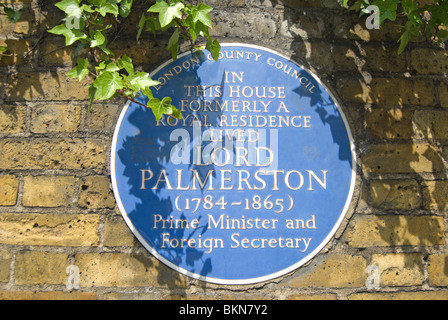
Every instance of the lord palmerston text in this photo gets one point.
(234, 118)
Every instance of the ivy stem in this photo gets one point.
(141, 104)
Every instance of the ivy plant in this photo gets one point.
(429, 20)
(86, 25)
(13, 16)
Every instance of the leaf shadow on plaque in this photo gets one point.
(149, 141)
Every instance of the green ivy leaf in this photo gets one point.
(201, 14)
(160, 108)
(142, 80)
(71, 35)
(107, 84)
(147, 92)
(80, 71)
(70, 7)
(176, 113)
(167, 12)
(141, 25)
(98, 39)
(439, 14)
(105, 6)
(214, 47)
(388, 9)
(173, 44)
(126, 63)
(125, 7)
(411, 31)
(13, 15)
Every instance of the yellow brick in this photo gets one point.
(403, 158)
(48, 191)
(389, 92)
(9, 185)
(96, 193)
(117, 233)
(38, 268)
(47, 295)
(336, 271)
(5, 263)
(125, 270)
(431, 124)
(306, 297)
(429, 61)
(435, 195)
(55, 53)
(400, 269)
(55, 118)
(443, 94)
(437, 270)
(45, 86)
(395, 194)
(395, 230)
(49, 229)
(389, 123)
(419, 295)
(102, 118)
(12, 118)
(52, 154)
(16, 51)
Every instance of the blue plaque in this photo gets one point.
(251, 183)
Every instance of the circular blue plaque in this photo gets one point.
(251, 183)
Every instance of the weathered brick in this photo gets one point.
(403, 158)
(429, 61)
(45, 86)
(389, 123)
(319, 297)
(125, 270)
(395, 230)
(379, 58)
(5, 263)
(130, 296)
(55, 118)
(438, 270)
(117, 233)
(48, 191)
(389, 92)
(95, 193)
(12, 118)
(47, 295)
(336, 271)
(431, 124)
(400, 269)
(435, 195)
(416, 296)
(443, 94)
(348, 26)
(9, 185)
(49, 229)
(16, 50)
(52, 154)
(141, 53)
(257, 25)
(38, 268)
(102, 118)
(395, 194)
(55, 53)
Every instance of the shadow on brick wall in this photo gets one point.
(396, 118)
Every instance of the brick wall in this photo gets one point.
(62, 236)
